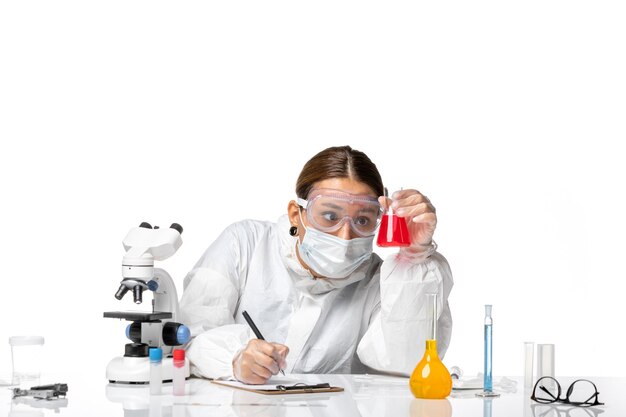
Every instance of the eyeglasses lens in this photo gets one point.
(582, 392)
(547, 390)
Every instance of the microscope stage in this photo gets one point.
(138, 315)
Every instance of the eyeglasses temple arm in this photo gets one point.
(547, 392)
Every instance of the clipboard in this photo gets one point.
(299, 388)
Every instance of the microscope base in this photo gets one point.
(127, 370)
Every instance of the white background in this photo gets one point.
(508, 115)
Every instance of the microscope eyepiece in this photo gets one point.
(121, 291)
(178, 227)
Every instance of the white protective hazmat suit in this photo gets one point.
(376, 319)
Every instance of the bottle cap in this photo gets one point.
(179, 354)
(156, 354)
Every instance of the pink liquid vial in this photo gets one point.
(178, 377)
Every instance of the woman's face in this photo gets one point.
(343, 185)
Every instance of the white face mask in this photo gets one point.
(331, 256)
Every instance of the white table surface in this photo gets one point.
(364, 395)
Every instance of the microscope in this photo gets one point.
(155, 329)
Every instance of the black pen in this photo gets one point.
(256, 331)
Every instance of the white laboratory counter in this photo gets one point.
(364, 395)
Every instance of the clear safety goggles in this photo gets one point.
(328, 210)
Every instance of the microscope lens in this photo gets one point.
(137, 297)
(122, 290)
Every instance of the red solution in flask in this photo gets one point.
(393, 231)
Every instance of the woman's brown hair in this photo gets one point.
(339, 162)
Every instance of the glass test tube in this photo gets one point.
(545, 362)
(529, 355)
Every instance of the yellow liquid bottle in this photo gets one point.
(431, 379)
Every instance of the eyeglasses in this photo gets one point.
(581, 393)
(327, 210)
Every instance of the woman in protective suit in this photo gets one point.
(323, 300)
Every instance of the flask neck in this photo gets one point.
(431, 347)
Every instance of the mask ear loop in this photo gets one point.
(298, 240)
(302, 203)
(301, 220)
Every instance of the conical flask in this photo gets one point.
(431, 379)
(393, 230)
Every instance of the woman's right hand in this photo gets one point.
(259, 360)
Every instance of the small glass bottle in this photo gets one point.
(178, 378)
(431, 379)
(156, 372)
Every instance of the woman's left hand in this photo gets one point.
(420, 214)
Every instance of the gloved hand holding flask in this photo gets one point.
(421, 220)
